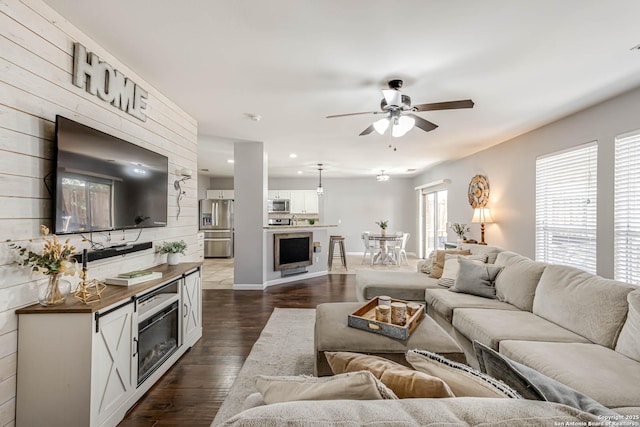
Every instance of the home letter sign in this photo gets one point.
(100, 79)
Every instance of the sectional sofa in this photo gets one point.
(577, 328)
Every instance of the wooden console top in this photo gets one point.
(113, 294)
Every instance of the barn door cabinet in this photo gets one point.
(78, 364)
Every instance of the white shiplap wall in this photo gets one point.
(36, 47)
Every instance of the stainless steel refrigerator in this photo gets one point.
(216, 220)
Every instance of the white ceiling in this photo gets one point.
(525, 63)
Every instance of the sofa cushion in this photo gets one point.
(462, 379)
(444, 302)
(362, 385)
(534, 385)
(491, 326)
(465, 411)
(517, 283)
(476, 279)
(586, 304)
(404, 285)
(599, 372)
(438, 265)
(404, 382)
(491, 251)
(629, 341)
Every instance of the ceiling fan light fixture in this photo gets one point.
(403, 125)
(393, 97)
(381, 126)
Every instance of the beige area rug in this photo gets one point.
(285, 347)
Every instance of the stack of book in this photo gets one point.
(133, 278)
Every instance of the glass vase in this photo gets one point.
(54, 291)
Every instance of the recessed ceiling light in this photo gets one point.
(254, 117)
(230, 161)
(293, 155)
(299, 172)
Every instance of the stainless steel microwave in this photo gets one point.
(278, 206)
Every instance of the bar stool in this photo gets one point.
(339, 240)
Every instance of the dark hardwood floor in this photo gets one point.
(191, 392)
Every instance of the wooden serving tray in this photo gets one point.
(365, 318)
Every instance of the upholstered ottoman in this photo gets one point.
(333, 334)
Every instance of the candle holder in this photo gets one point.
(89, 291)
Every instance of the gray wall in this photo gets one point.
(203, 186)
(250, 214)
(510, 167)
(221, 184)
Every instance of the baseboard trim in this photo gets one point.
(279, 281)
(295, 278)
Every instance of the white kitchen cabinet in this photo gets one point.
(78, 364)
(220, 194)
(279, 194)
(304, 201)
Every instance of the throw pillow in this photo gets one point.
(463, 380)
(452, 265)
(629, 339)
(438, 265)
(534, 385)
(476, 279)
(428, 263)
(362, 385)
(403, 381)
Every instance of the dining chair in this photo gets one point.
(368, 247)
(400, 249)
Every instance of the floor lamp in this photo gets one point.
(482, 216)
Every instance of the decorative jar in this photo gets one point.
(173, 259)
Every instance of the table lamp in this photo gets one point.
(482, 215)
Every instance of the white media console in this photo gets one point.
(87, 365)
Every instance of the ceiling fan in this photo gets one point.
(399, 112)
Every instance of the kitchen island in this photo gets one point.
(318, 262)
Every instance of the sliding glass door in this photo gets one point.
(434, 221)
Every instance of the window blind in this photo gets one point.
(566, 196)
(626, 219)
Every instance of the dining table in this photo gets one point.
(384, 254)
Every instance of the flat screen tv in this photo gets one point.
(104, 183)
(292, 250)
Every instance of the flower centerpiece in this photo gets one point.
(461, 230)
(54, 261)
(173, 249)
(383, 226)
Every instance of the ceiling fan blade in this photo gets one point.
(353, 114)
(367, 131)
(449, 105)
(423, 124)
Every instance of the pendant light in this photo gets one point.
(320, 190)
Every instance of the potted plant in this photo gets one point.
(54, 261)
(173, 250)
(461, 230)
(383, 226)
